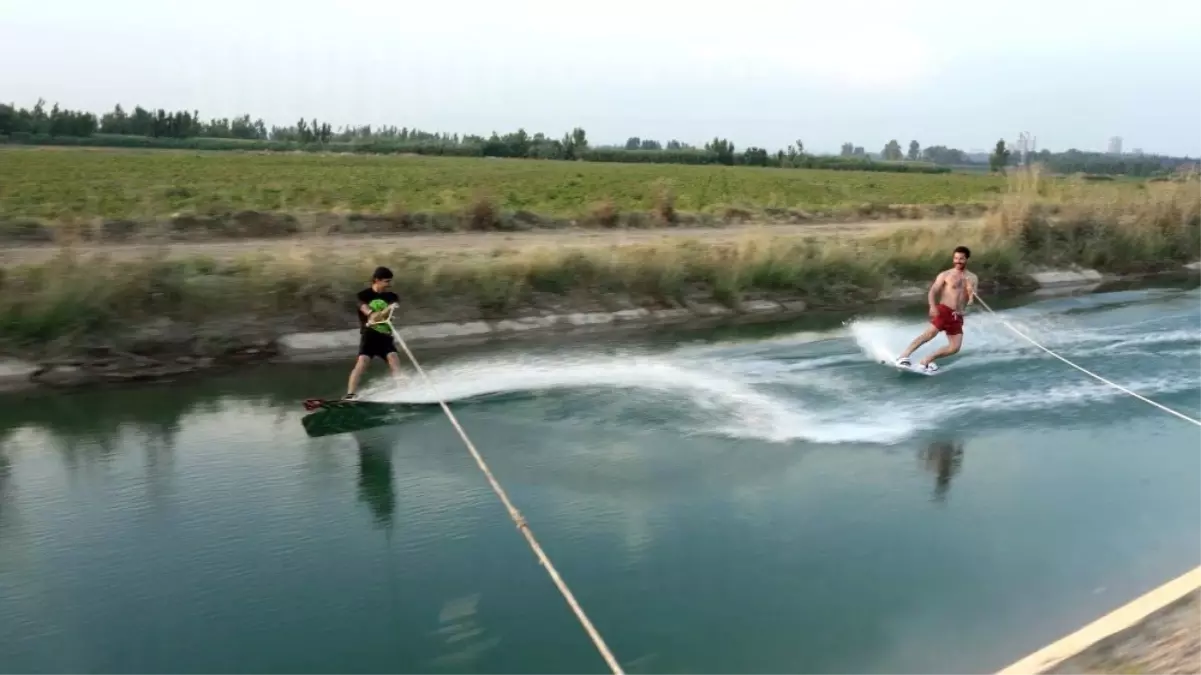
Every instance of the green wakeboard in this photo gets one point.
(328, 418)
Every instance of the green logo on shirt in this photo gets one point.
(378, 305)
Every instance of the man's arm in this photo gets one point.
(363, 308)
(934, 287)
(971, 283)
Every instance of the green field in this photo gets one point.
(59, 183)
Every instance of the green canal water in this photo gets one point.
(750, 500)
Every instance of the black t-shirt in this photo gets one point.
(365, 297)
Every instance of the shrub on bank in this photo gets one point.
(1102, 227)
(74, 294)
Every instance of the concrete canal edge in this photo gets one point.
(1130, 636)
(332, 345)
(1055, 281)
(340, 344)
(15, 374)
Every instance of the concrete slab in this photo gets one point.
(1107, 627)
(528, 323)
(1060, 278)
(14, 374)
(327, 341)
(589, 318)
(443, 331)
(761, 306)
(638, 314)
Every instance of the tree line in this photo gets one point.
(143, 127)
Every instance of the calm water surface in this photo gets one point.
(767, 501)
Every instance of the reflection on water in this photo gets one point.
(5, 479)
(943, 458)
(97, 418)
(376, 486)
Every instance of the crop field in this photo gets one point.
(57, 183)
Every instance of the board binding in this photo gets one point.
(913, 368)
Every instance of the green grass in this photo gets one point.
(61, 183)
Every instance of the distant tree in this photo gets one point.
(1000, 156)
(940, 154)
(754, 157)
(723, 149)
(44, 121)
(115, 122)
(574, 143)
(8, 119)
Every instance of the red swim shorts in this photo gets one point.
(948, 320)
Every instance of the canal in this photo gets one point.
(764, 499)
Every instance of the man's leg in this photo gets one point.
(920, 340)
(394, 364)
(360, 365)
(954, 342)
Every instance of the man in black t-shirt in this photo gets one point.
(374, 340)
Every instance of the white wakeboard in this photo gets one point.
(914, 368)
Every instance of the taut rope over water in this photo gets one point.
(1119, 387)
(519, 519)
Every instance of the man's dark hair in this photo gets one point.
(967, 253)
(381, 273)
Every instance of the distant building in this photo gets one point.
(1115, 145)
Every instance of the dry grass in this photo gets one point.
(1036, 224)
(1101, 225)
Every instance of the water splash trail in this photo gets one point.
(826, 387)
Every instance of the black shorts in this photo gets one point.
(373, 343)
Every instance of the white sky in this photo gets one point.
(759, 72)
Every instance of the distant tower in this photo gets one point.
(1025, 146)
(1115, 145)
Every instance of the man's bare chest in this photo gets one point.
(956, 283)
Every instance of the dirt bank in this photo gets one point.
(463, 241)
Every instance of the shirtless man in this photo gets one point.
(954, 289)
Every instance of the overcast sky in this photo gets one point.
(943, 72)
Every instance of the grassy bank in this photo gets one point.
(302, 286)
(306, 286)
(56, 184)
